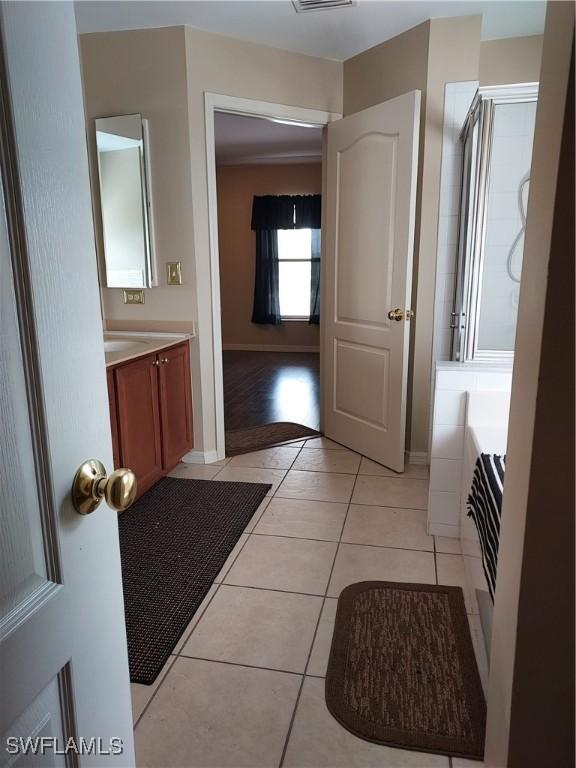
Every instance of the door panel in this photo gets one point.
(175, 404)
(139, 420)
(62, 622)
(372, 159)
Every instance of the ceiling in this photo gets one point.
(332, 34)
(244, 140)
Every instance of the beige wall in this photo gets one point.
(237, 185)
(221, 65)
(511, 60)
(145, 71)
(531, 688)
(164, 73)
(425, 58)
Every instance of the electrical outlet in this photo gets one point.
(174, 273)
(133, 296)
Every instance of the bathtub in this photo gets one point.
(486, 431)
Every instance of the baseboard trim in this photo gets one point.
(268, 348)
(417, 457)
(200, 457)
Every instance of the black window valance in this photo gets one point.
(286, 212)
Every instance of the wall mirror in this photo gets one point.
(125, 201)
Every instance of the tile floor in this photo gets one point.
(244, 686)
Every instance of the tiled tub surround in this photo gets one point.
(245, 684)
(452, 383)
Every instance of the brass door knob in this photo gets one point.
(396, 314)
(91, 485)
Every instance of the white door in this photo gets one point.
(372, 158)
(63, 657)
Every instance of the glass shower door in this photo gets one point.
(497, 136)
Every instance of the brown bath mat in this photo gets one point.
(402, 670)
(265, 436)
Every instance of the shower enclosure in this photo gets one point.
(497, 141)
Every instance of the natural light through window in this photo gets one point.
(294, 254)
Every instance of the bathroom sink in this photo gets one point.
(121, 345)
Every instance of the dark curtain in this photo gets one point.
(266, 308)
(307, 211)
(273, 212)
(315, 279)
(269, 214)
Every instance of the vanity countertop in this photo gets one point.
(121, 346)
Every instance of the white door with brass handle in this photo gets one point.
(63, 655)
(370, 195)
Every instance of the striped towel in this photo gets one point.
(485, 507)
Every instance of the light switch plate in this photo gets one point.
(174, 273)
(133, 296)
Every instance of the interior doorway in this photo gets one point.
(265, 180)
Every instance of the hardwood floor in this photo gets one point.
(264, 387)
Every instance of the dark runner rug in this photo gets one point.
(265, 436)
(173, 542)
(402, 670)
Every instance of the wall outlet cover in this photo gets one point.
(174, 273)
(133, 296)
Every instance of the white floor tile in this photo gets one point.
(452, 573)
(141, 694)
(316, 486)
(323, 442)
(231, 558)
(195, 619)
(357, 563)
(270, 458)
(291, 565)
(212, 714)
(322, 460)
(448, 545)
(252, 475)
(387, 527)
(195, 471)
(391, 492)
(257, 627)
(369, 467)
(321, 649)
(303, 519)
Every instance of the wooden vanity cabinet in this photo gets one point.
(175, 404)
(152, 416)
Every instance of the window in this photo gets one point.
(294, 257)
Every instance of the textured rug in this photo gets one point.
(265, 436)
(173, 542)
(402, 670)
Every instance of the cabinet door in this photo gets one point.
(175, 404)
(139, 420)
(113, 417)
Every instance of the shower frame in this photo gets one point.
(475, 176)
